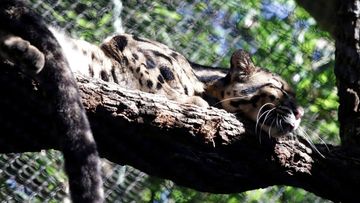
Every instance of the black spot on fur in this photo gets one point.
(140, 82)
(158, 54)
(208, 79)
(149, 84)
(141, 39)
(167, 73)
(226, 80)
(158, 85)
(135, 56)
(174, 54)
(126, 61)
(161, 79)
(113, 73)
(254, 100)
(138, 69)
(93, 56)
(104, 76)
(222, 94)
(150, 64)
(272, 98)
(186, 91)
(91, 71)
(121, 42)
(282, 84)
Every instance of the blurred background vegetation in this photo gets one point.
(281, 36)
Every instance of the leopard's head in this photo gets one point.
(258, 94)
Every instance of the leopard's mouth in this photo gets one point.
(278, 121)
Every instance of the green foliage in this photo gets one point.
(85, 19)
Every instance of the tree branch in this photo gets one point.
(347, 71)
(205, 149)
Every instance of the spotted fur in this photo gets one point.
(136, 63)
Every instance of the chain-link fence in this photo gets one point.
(282, 37)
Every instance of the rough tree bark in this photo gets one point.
(347, 70)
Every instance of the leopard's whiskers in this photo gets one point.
(228, 99)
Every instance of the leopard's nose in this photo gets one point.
(299, 112)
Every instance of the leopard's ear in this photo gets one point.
(241, 65)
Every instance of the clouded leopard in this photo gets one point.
(150, 66)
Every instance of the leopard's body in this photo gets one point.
(150, 66)
(135, 63)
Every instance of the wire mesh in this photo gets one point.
(206, 32)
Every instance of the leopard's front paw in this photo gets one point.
(21, 53)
